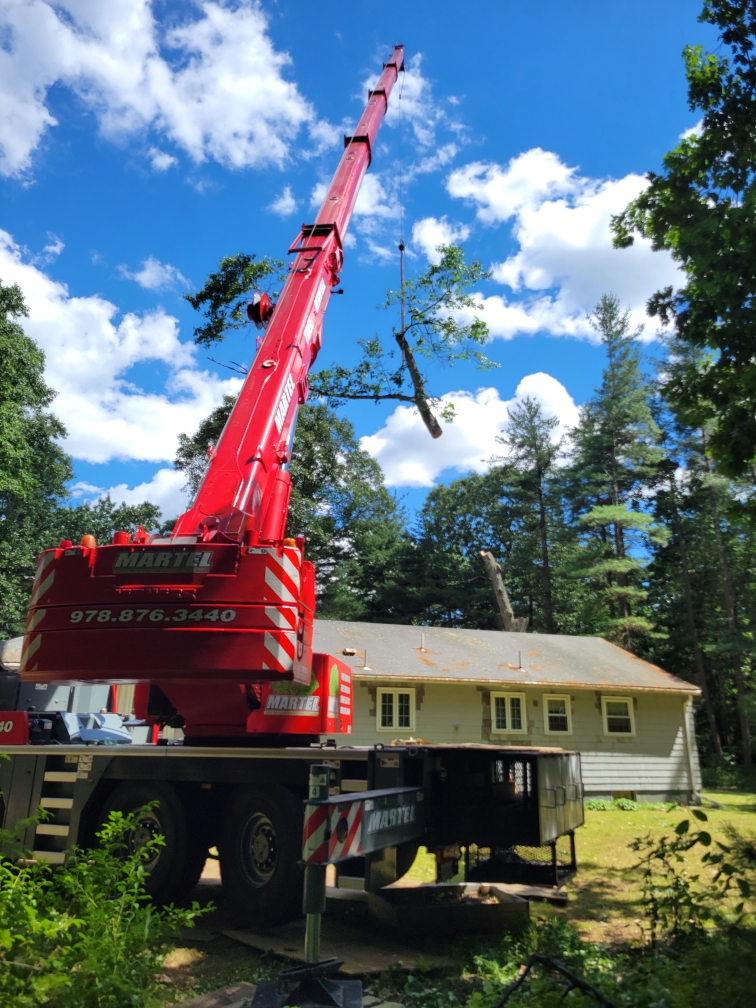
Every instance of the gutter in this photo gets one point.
(373, 676)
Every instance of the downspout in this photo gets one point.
(696, 797)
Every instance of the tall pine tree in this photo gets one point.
(616, 457)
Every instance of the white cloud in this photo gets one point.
(155, 275)
(373, 200)
(412, 102)
(161, 161)
(165, 490)
(52, 250)
(694, 131)
(430, 232)
(212, 85)
(409, 457)
(88, 356)
(317, 195)
(285, 204)
(565, 260)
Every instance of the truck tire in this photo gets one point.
(175, 871)
(405, 856)
(260, 846)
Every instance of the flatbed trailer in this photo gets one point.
(506, 812)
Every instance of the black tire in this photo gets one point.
(260, 847)
(405, 856)
(175, 871)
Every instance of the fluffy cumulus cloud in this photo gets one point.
(414, 105)
(155, 275)
(165, 490)
(212, 85)
(90, 352)
(564, 260)
(285, 204)
(410, 458)
(430, 232)
(161, 161)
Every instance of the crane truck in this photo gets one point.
(211, 628)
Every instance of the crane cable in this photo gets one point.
(401, 214)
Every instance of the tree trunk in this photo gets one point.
(508, 618)
(548, 613)
(729, 602)
(692, 629)
(420, 398)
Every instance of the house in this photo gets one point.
(631, 721)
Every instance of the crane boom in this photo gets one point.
(247, 485)
(212, 622)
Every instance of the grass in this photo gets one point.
(604, 904)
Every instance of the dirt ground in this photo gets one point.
(604, 896)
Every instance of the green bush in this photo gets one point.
(623, 804)
(85, 934)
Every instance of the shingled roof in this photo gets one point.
(489, 656)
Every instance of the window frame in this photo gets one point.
(395, 691)
(499, 694)
(568, 709)
(605, 717)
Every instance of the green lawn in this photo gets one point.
(606, 891)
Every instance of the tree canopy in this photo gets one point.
(702, 209)
(438, 322)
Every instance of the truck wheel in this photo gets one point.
(405, 856)
(175, 870)
(260, 846)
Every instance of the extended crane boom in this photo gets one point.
(247, 483)
(226, 602)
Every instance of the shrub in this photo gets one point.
(85, 934)
(624, 804)
(680, 903)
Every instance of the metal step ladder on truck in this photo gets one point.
(211, 628)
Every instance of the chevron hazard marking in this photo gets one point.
(284, 619)
(282, 657)
(280, 591)
(31, 646)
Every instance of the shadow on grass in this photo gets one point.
(598, 891)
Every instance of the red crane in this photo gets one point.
(226, 603)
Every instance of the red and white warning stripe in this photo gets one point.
(314, 844)
(282, 576)
(332, 832)
(346, 831)
(43, 581)
(281, 649)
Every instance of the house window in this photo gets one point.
(618, 714)
(557, 716)
(396, 709)
(508, 713)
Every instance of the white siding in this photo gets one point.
(654, 761)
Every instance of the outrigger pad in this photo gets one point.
(310, 986)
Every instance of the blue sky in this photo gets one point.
(140, 142)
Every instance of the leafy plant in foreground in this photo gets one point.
(85, 935)
(678, 903)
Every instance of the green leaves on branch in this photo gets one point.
(85, 934)
(440, 324)
(702, 209)
(680, 903)
(223, 299)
